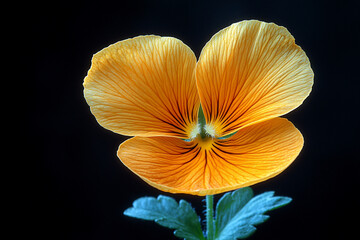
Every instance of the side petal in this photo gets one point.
(249, 72)
(144, 86)
(252, 155)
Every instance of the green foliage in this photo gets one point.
(238, 212)
(168, 213)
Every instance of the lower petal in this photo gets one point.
(204, 167)
(254, 154)
(167, 163)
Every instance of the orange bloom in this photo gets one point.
(247, 75)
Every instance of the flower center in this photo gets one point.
(205, 143)
(194, 131)
(201, 132)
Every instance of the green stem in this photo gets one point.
(201, 122)
(210, 217)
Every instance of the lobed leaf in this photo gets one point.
(238, 212)
(168, 213)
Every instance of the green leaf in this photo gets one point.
(227, 136)
(229, 205)
(238, 212)
(168, 213)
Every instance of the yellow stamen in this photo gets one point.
(194, 131)
(212, 129)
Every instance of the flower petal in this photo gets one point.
(144, 86)
(249, 72)
(252, 155)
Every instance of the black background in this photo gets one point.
(78, 189)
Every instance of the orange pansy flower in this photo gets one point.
(247, 75)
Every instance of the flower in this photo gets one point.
(247, 75)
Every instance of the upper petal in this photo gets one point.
(252, 155)
(249, 72)
(144, 86)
